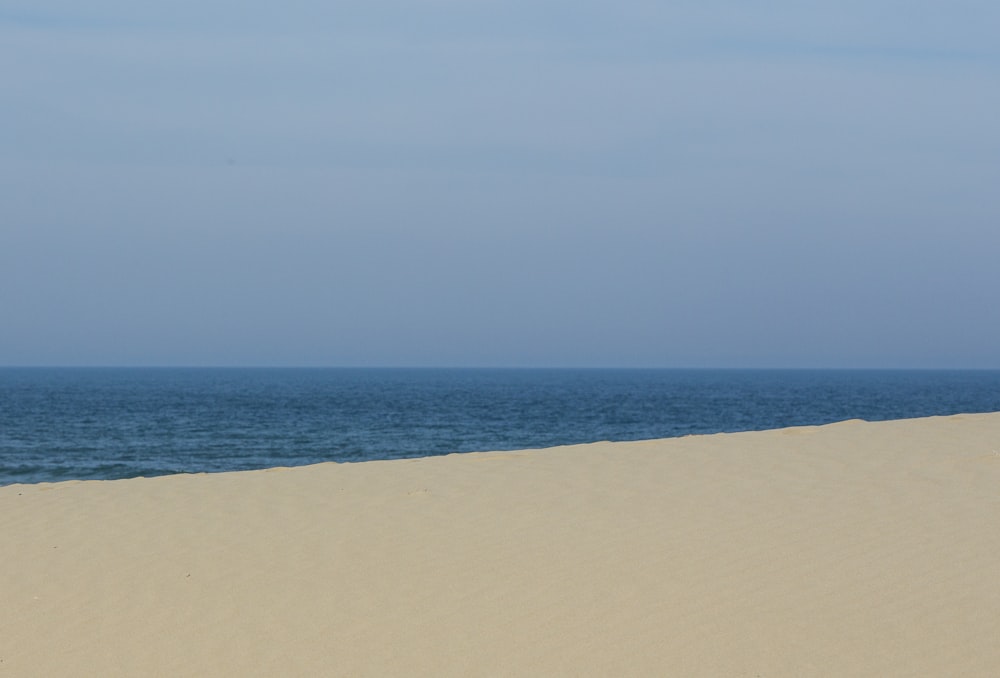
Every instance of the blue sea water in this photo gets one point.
(75, 423)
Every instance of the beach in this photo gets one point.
(851, 549)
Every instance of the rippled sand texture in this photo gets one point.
(855, 549)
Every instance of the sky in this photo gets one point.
(536, 183)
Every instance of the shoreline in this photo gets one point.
(855, 548)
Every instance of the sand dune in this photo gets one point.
(855, 549)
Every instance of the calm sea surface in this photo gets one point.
(59, 424)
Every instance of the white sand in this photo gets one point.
(856, 549)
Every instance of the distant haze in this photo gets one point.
(485, 183)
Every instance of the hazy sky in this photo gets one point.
(435, 182)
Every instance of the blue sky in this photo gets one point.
(725, 184)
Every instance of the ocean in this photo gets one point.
(106, 423)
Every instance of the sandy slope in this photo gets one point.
(856, 549)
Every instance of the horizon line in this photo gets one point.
(495, 367)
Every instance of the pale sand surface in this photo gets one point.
(856, 549)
